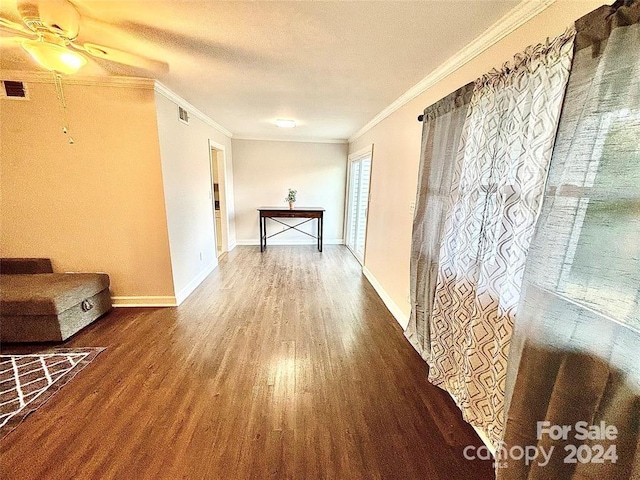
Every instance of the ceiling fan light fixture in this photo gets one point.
(54, 57)
(284, 123)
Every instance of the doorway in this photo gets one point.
(358, 201)
(218, 195)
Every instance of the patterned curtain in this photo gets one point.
(441, 130)
(575, 355)
(497, 188)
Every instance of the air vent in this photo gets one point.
(12, 89)
(183, 115)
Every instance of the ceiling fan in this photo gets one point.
(49, 35)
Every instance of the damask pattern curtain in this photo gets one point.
(497, 188)
(575, 355)
(441, 130)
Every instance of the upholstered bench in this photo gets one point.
(37, 305)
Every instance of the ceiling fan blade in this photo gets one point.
(59, 16)
(125, 58)
(27, 8)
(15, 27)
(11, 41)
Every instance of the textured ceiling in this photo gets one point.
(330, 65)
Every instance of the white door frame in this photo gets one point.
(222, 185)
(353, 157)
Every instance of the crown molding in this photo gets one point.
(516, 17)
(178, 100)
(94, 81)
(295, 140)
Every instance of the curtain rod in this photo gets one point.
(420, 117)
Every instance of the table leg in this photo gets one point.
(265, 231)
(321, 232)
(261, 233)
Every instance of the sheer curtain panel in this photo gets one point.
(441, 130)
(575, 355)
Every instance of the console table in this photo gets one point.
(274, 213)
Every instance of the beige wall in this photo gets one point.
(265, 170)
(185, 157)
(96, 205)
(397, 154)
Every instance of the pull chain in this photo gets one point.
(63, 105)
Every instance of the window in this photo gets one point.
(358, 201)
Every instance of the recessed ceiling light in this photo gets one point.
(282, 123)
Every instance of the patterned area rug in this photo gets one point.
(27, 381)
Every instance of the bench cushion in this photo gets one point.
(48, 293)
(12, 266)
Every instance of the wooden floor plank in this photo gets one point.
(283, 365)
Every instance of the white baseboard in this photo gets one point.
(232, 246)
(193, 284)
(129, 301)
(164, 301)
(252, 241)
(393, 307)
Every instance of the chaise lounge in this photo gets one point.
(37, 305)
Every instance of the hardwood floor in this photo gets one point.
(280, 365)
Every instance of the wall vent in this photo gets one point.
(183, 115)
(14, 90)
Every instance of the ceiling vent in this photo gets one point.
(183, 115)
(14, 90)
